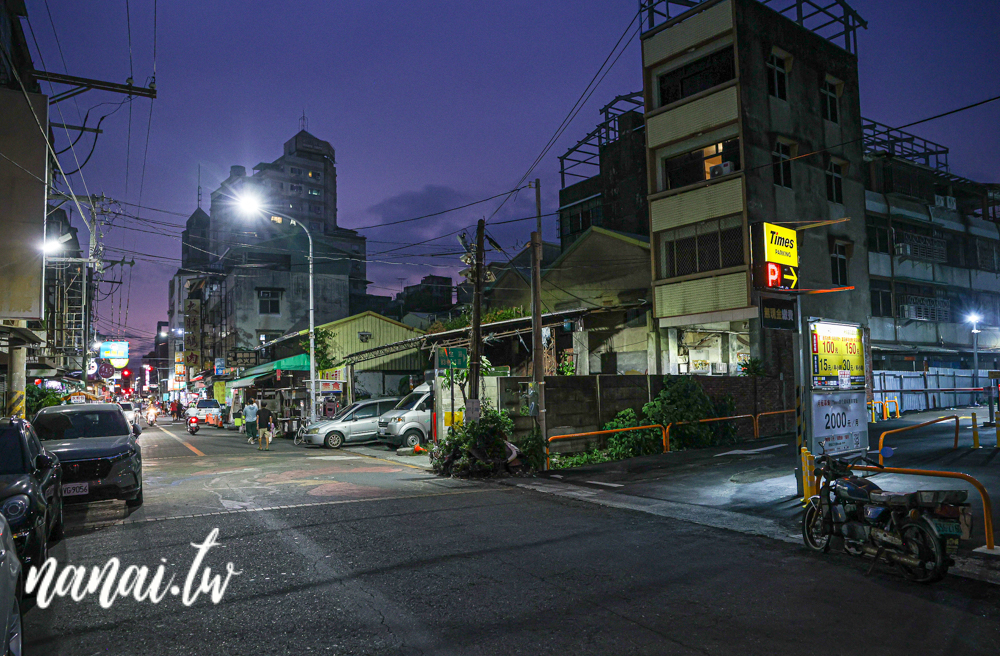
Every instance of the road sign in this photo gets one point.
(453, 357)
(839, 422)
(836, 348)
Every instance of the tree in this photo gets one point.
(324, 346)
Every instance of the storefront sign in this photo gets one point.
(114, 350)
(777, 313)
(778, 251)
(838, 355)
(220, 366)
(243, 358)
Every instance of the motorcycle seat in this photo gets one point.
(904, 499)
(935, 497)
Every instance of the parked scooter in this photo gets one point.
(192, 424)
(917, 531)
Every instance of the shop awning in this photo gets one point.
(295, 363)
(240, 383)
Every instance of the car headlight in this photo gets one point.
(396, 419)
(312, 431)
(15, 507)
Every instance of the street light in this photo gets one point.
(251, 206)
(974, 319)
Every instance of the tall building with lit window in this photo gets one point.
(752, 114)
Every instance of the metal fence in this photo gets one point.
(921, 390)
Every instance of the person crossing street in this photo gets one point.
(265, 424)
(250, 417)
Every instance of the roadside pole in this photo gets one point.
(472, 404)
(537, 348)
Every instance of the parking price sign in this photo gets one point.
(838, 355)
(839, 422)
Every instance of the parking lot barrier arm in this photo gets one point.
(881, 439)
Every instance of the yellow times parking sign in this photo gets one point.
(838, 355)
(781, 245)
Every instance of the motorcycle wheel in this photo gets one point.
(812, 529)
(920, 541)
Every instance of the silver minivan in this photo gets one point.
(409, 423)
(357, 422)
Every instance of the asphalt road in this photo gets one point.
(359, 555)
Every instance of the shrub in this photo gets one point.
(632, 444)
(682, 399)
(477, 448)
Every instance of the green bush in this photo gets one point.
(632, 444)
(477, 448)
(37, 398)
(533, 450)
(682, 399)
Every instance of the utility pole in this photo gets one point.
(472, 409)
(537, 347)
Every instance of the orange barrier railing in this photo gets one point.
(881, 439)
(665, 431)
(756, 420)
(987, 504)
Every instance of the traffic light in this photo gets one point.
(126, 373)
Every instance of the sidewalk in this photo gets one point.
(750, 487)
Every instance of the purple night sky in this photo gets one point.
(428, 105)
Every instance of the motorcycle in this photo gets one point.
(917, 531)
(192, 424)
(151, 417)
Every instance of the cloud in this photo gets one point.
(410, 204)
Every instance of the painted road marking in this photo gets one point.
(605, 484)
(744, 452)
(334, 458)
(185, 443)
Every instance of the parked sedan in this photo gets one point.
(97, 447)
(357, 422)
(31, 497)
(130, 413)
(11, 587)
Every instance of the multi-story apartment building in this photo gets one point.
(606, 175)
(752, 115)
(933, 256)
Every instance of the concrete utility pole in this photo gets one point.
(477, 317)
(537, 347)
(18, 378)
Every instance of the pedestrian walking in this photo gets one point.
(173, 410)
(250, 417)
(265, 423)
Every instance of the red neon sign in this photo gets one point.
(773, 274)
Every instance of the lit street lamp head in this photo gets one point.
(50, 247)
(973, 318)
(249, 204)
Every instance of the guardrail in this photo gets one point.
(756, 421)
(664, 430)
(666, 435)
(987, 503)
(881, 439)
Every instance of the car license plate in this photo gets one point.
(75, 489)
(383, 431)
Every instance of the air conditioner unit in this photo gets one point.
(904, 249)
(939, 201)
(720, 169)
(720, 368)
(951, 203)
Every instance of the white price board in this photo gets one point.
(839, 422)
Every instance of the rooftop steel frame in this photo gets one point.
(834, 20)
(586, 152)
(880, 138)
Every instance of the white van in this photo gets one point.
(409, 423)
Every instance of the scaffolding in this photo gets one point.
(587, 151)
(834, 20)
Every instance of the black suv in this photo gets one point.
(30, 490)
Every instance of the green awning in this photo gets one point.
(295, 363)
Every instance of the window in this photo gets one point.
(578, 218)
(269, 301)
(700, 165)
(315, 175)
(264, 337)
(829, 100)
(294, 187)
(777, 77)
(838, 263)
(315, 192)
(366, 412)
(835, 182)
(316, 209)
(881, 292)
(781, 160)
(702, 247)
(295, 171)
(878, 235)
(709, 71)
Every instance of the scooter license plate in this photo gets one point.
(951, 546)
(947, 528)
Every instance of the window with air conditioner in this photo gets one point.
(712, 161)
